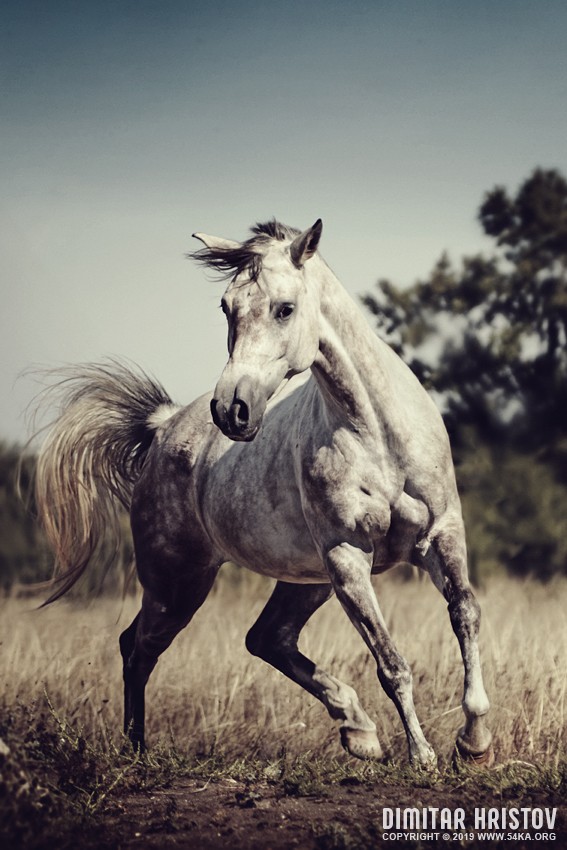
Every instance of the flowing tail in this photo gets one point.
(91, 459)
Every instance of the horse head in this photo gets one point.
(273, 319)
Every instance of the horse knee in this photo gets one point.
(464, 612)
(395, 676)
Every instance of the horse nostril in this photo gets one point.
(240, 413)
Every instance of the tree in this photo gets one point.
(490, 338)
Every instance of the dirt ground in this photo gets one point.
(233, 815)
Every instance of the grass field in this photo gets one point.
(209, 702)
(208, 693)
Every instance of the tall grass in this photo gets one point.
(208, 695)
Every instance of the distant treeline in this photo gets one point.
(24, 557)
(488, 339)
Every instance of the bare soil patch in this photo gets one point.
(263, 816)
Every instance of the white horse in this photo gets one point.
(318, 460)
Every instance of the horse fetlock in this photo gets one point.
(475, 708)
(343, 704)
(361, 743)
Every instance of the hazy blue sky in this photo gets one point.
(126, 126)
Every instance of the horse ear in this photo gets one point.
(304, 246)
(216, 242)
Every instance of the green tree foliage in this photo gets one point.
(489, 339)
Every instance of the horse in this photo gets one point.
(318, 460)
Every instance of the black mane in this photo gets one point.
(232, 262)
(275, 230)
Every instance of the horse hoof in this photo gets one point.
(427, 764)
(361, 744)
(138, 745)
(464, 753)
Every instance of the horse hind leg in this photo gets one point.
(134, 729)
(274, 638)
(445, 561)
(151, 632)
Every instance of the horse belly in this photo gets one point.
(293, 570)
(275, 543)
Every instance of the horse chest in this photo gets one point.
(252, 509)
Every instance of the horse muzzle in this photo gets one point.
(240, 419)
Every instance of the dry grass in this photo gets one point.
(208, 695)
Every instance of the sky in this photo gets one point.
(128, 125)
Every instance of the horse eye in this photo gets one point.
(224, 307)
(284, 311)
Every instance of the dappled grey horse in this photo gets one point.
(318, 460)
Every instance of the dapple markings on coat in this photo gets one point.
(318, 460)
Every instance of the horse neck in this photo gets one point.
(350, 366)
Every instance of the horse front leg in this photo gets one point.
(350, 571)
(446, 561)
(474, 740)
(274, 638)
